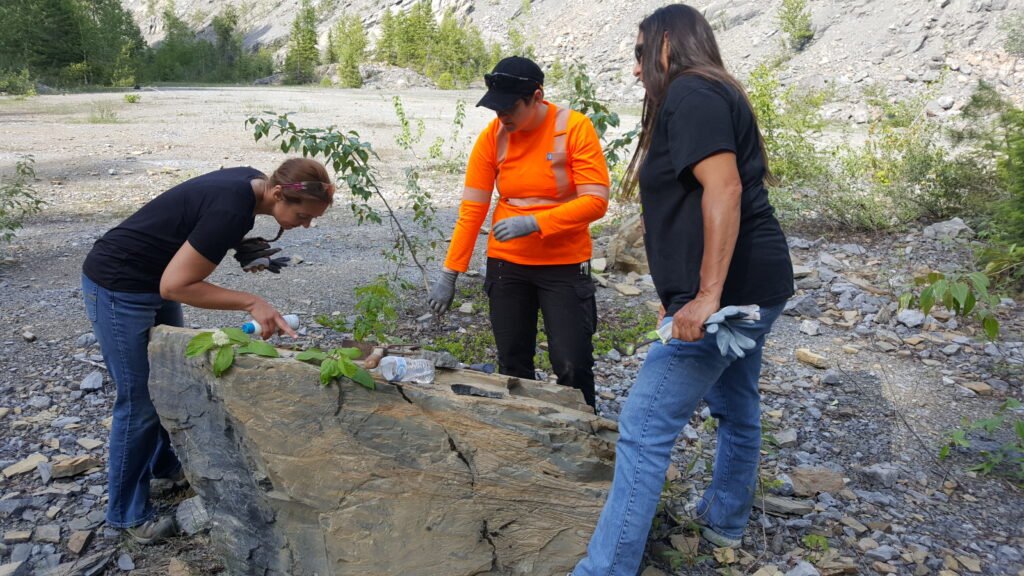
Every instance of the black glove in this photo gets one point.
(254, 254)
(272, 264)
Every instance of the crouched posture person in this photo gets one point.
(552, 181)
(136, 277)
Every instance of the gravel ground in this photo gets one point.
(873, 417)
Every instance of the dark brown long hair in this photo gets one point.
(692, 49)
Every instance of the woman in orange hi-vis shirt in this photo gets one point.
(549, 170)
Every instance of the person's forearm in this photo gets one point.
(721, 212)
(467, 228)
(571, 215)
(210, 296)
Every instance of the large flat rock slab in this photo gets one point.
(472, 475)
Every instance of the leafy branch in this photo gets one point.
(226, 343)
(1010, 453)
(18, 197)
(966, 296)
(348, 156)
(338, 363)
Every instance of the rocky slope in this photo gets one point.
(938, 48)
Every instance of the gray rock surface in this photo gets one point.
(302, 479)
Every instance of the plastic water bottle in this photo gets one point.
(253, 327)
(401, 369)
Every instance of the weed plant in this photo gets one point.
(18, 198)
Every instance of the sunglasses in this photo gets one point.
(316, 189)
(638, 51)
(509, 82)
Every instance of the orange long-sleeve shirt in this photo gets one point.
(564, 236)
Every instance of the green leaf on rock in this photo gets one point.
(199, 344)
(237, 336)
(223, 360)
(364, 379)
(313, 354)
(259, 348)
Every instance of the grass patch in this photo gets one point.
(622, 329)
(102, 113)
(471, 347)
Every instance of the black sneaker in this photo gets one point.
(155, 531)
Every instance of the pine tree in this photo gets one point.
(228, 42)
(350, 47)
(387, 49)
(303, 56)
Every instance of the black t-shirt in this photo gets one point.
(212, 212)
(698, 119)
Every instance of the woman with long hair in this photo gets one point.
(139, 274)
(722, 270)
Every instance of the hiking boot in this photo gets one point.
(709, 533)
(153, 532)
(718, 540)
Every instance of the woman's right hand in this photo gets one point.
(270, 319)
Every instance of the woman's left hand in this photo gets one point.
(688, 322)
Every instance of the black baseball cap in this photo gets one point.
(513, 78)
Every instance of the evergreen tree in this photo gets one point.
(453, 53)
(228, 41)
(350, 50)
(418, 32)
(303, 56)
(41, 36)
(331, 53)
(387, 44)
(111, 42)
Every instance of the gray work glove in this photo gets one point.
(442, 292)
(727, 325)
(515, 227)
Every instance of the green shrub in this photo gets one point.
(376, 311)
(913, 172)
(102, 113)
(18, 198)
(795, 21)
(906, 169)
(791, 124)
(17, 83)
(966, 296)
(995, 127)
(1013, 27)
(132, 98)
(1008, 458)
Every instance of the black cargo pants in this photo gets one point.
(565, 296)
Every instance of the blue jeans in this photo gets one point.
(673, 379)
(139, 446)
